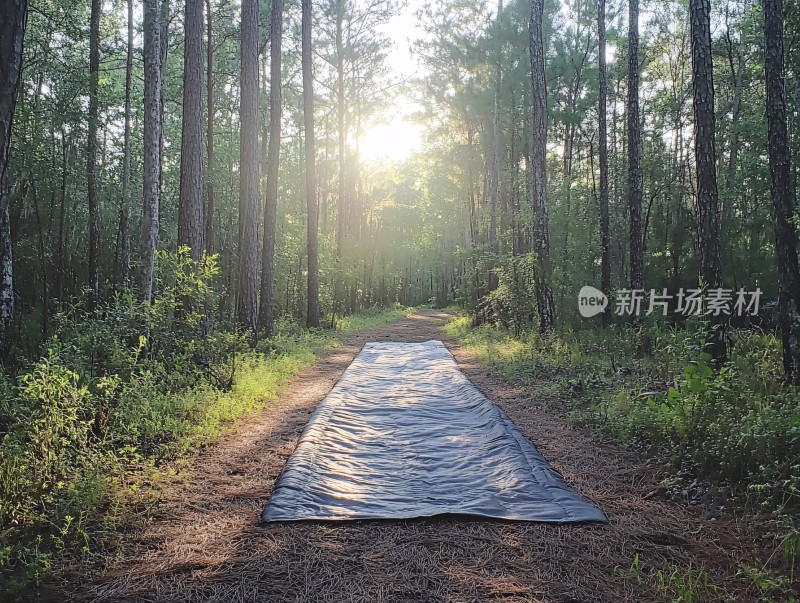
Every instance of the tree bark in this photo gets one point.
(124, 211)
(91, 156)
(341, 205)
(13, 19)
(733, 157)
(783, 193)
(191, 223)
(267, 310)
(495, 192)
(61, 251)
(341, 201)
(544, 292)
(209, 235)
(247, 304)
(605, 243)
(151, 176)
(706, 161)
(312, 314)
(635, 186)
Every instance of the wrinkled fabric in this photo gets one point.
(405, 434)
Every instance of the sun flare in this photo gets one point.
(391, 142)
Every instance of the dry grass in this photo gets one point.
(203, 542)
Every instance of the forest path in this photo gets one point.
(203, 542)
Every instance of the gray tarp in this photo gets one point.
(405, 434)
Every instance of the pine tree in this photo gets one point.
(783, 193)
(635, 184)
(705, 158)
(191, 222)
(124, 237)
(91, 156)
(151, 193)
(538, 174)
(312, 315)
(247, 303)
(13, 18)
(605, 243)
(209, 211)
(267, 310)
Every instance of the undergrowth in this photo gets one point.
(119, 394)
(672, 583)
(653, 388)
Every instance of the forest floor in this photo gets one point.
(202, 541)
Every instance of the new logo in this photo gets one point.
(591, 301)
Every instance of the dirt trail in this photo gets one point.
(203, 542)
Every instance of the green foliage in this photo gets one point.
(672, 584)
(509, 304)
(775, 588)
(118, 393)
(734, 425)
(655, 389)
(371, 318)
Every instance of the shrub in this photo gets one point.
(121, 390)
(653, 387)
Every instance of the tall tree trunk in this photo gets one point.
(495, 192)
(151, 176)
(13, 19)
(61, 251)
(635, 185)
(247, 304)
(43, 273)
(124, 245)
(312, 315)
(783, 192)
(164, 51)
(519, 235)
(191, 225)
(605, 244)
(733, 157)
(267, 311)
(544, 292)
(209, 235)
(706, 161)
(91, 156)
(341, 206)
(341, 201)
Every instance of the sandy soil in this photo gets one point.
(203, 541)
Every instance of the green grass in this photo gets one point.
(369, 319)
(261, 376)
(672, 584)
(531, 356)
